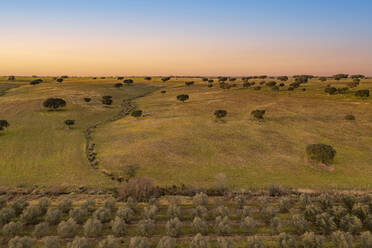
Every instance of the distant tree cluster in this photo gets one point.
(36, 81)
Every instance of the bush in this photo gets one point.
(276, 224)
(19, 205)
(128, 81)
(220, 113)
(258, 114)
(109, 242)
(267, 214)
(118, 85)
(145, 227)
(247, 224)
(342, 240)
(321, 153)
(12, 228)
(54, 103)
(65, 206)
(3, 201)
(325, 223)
(200, 199)
(87, 99)
(166, 242)
(225, 243)
(149, 212)
(276, 189)
(125, 213)
(300, 224)
(36, 81)
(21, 242)
(43, 205)
(338, 212)
(107, 100)
(136, 113)
(173, 227)
(199, 241)
(263, 201)
(163, 91)
(311, 211)
(148, 78)
(286, 241)
(6, 214)
(257, 88)
(174, 211)
(31, 215)
(69, 123)
(305, 200)
(366, 240)
(350, 223)
(189, 83)
(361, 211)
(362, 93)
(67, 229)
(200, 211)
(139, 242)
(89, 205)
(240, 200)
(290, 88)
(246, 211)
(132, 203)
(110, 204)
(79, 215)
(183, 97)
(255, 242)
(350, 117)
(51, 242)
(119, 227)
(310, 240)
(41, 230)
(200, 225)
(53, 216)
(285, 204)
(79, 242)
(92, 227)
(330, 90)
(223, 225)
(141, 189)
(103, 214)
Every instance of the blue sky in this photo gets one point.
(329, 31)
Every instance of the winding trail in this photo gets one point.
(90, 149)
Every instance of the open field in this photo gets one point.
(179, 142)
(38, 148)
(183, 143)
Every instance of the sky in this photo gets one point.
(185, 37)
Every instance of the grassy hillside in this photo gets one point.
(38, 148)
(179, 142)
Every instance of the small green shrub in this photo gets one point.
(136, 113)
(349, 117)
(325, 223)
(247, 224)
(276, 189)
(362, 93)
(361, 211)
(255, 242)
(150, 211)
(311, 240)
(276, 224)
(285, 204)
(103, 214)
(31, 215)
(350, 223)
(53, 216)
(41, 230)
(225, 243)
(166, 242)
(79, 242)
(89, 205)
(267, 214)
(366, 239)
(183, 97)
(222, 211)
(305, 200)
(222, 225)
(6, 214)
(65, 206)
(67, 229)
(342, 240)
(145, 227)
(92, 227)
(19, 205)
(109, 242)
(300, 224)
(173, 227)
(51, 242)
(200, 211)
(21, 242)
(12, 229)
(286, 241)
(139, 242)
(174, 211)
(321, 153)
(199, 241)
(79, 215)
(220, 113)
(119, 227)
(44, 204)
(199, 225)
(258, 114)
(125, 213)
(200, 199)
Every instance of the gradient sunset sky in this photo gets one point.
(185, 37)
